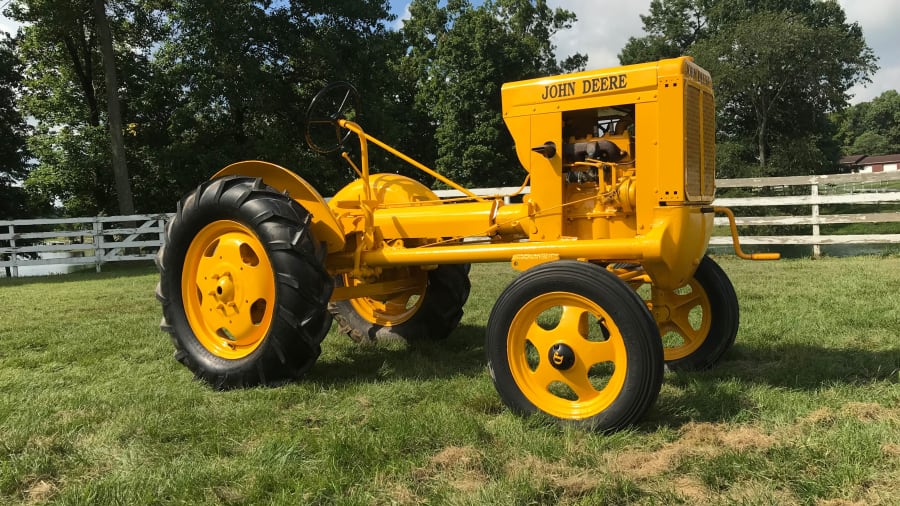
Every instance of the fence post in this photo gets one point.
(162, 230)
(98, 244)
(14, 271)
(814, 191)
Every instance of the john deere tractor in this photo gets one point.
(610, 241)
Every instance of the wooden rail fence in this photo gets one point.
(96, 241)
(79, 241)
(826, 190)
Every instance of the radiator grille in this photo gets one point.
(700, 145)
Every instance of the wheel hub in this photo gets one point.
(561, 356)
(228, 289)
(225, 289)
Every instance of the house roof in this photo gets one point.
(851, 159)
(872, 160)
(862, 160)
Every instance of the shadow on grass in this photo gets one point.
(724, 393)
(461, 354)
(721, 394)
(806, 367)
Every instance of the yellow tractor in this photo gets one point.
(611, 242)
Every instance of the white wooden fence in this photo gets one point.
(79, 241)
(861, 190)
(96, 241)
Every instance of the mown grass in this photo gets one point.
(804, 410)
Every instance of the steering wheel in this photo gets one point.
(336, 101)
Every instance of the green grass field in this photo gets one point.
(804, 410)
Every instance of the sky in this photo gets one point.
(604, 26)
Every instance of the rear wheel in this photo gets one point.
(698, 322)
(430, 308)
(572, 341)
(242, 285)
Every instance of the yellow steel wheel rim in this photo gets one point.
(397, 308)
(228, 289)
(595, 379)
(686, 312)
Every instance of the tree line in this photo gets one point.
(186, 87)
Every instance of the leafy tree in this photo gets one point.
(779, 67)
(65, 92)
(234, 78)
(459, 56)
(870, 128)
(202, 84)
(13, 166)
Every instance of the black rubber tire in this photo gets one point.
(439, 314)
(725, 314)
(300, 318)
(643, 348)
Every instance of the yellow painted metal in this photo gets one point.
(737, 242)
(547, 179)
(525, 262)
(453, 220)
(387, 190)
(365, 138)
(403, 208)
(228, 289)
(649, 207)
(587, 387)
(584, 90)
(686, 312)
(324, 225)
(610, 249)
(397, 307)
(679, 245)
(386, 287)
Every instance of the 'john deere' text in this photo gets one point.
(588, 86)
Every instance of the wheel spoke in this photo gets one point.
(340, 109)
(206, 269)
(682, 324)
(594, 352)
(689, 299)
(572, 323)
(229, 250)
(578, 380)
(540, 338)
(545, 374)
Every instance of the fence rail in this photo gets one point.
(79, 241)
(852, 188)
(99, 240)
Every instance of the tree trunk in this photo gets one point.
(120, 168)
(762, 144)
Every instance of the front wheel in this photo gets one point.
(242, 285)
(572, 341)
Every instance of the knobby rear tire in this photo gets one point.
(298, 320)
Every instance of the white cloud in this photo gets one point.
(879, 20)
(398, 24)
(602, 29)
(604, 26)
(9, 26)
